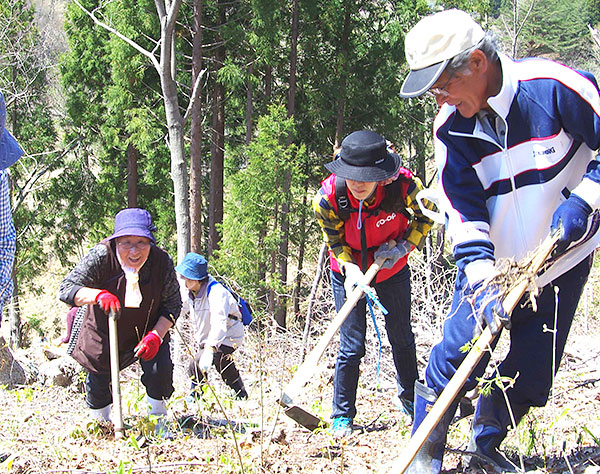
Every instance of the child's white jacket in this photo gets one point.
(215, 318)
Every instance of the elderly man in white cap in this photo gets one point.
(10, 152)
(515, 143)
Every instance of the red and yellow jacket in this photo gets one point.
(381, 221)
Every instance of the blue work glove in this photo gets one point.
(570, 219)
(392, 255)
(487, 308)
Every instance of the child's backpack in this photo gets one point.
(243, 305)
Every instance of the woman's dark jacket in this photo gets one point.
(100, 269)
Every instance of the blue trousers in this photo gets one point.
(394, 294)
(157, 377)
(531, 350)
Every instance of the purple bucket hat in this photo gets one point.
(134, 221)
(10, 151)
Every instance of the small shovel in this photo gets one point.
(308, 368)
(471, 360)
(114, 373)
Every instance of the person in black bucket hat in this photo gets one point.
(129, 274)
(361, 207)
(10, 152)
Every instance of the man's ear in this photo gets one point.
(478, 62)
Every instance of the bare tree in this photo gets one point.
(514, 25)
(164, 60)
(595, 36)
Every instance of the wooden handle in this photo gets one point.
(114, 375)
(457, 381)
(309, 366)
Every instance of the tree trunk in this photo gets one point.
(293, 61)
(132, 176)
(174, 119)
(180, 184)
(342, 75)
(217, 147)
(272, 294)
(196, 137)
(301, 251)
(249, 105)
(280, 314)
(268, 83)
(261, 270)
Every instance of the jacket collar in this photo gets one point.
(500, 103)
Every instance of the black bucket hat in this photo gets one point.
(364, 156)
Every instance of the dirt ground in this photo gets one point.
(45, 429)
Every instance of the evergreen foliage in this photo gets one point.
(24, 79)
(350, 65)
(250, 230)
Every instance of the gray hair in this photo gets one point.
(488, 45)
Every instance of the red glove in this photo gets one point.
(108, 301)
(148, 346)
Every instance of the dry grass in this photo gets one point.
(45, 429)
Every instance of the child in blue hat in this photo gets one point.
(216, 321)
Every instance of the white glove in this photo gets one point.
(353, 276)
(206, 359)
(392, 255)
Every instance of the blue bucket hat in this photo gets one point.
(193, 266)
(134, 221)
(10, 151)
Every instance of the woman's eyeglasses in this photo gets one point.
(130, 246)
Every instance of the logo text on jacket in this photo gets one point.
(389, 218)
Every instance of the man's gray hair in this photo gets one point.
(488, 45)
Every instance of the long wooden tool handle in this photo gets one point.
(114, 375)
(457, 381)
(308, 367)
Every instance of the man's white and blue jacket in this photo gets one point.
(499, 196)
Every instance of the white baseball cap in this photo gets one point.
(432, 43)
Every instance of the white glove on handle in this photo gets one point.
(206, 359)
(392, 255)
(353, 276)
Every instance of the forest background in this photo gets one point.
(217, 116)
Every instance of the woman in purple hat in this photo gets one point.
(128, 274)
